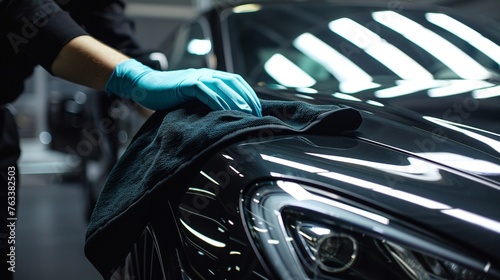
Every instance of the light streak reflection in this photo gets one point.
(209, 178)
(299, 193)
(457, 87)
(494, 144)
(393, 58)
(334, 62)
(473, 219)
(468, 34)
(415, 169)
(405, 87)
(486, 93)
(203, 237)
(450, 55)
(287, 73)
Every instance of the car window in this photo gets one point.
(189, 47)
(327, 46)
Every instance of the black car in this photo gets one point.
(413, 193)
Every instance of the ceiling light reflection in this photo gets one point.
(494, 144)
(474, 219)
(375, 103)
(458, 87)
(416, 199)
(408, 87)
(464, 163)
(345, 96)
(486, 93)
(307, 90)
(449, 54)
(303, 96)
(334, 62)
(415, 169)
(392, 57)
(468, 34)
(287, 73)
(274, 174)
(356, 86)
(300, 194)
(412, 198)
(293, 164)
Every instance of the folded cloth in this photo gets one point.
(170, 146)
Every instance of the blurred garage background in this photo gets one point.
(52, 220)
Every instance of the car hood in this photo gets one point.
(408, 160)
(465, 102)
(459, 206)
(460, 131)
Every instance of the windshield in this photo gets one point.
(328, 46)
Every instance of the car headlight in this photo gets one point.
(300, 232)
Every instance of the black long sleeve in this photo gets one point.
(105, 20)
(38, 29)
(33, 32)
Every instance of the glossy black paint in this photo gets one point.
(216, 215)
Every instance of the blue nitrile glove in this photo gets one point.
(158, 90)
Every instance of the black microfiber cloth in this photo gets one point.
(170, 145)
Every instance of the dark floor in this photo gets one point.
(51, 231)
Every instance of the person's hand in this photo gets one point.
(158, 90)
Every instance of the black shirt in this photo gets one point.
(32, 32)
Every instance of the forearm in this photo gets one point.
(86, 61)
